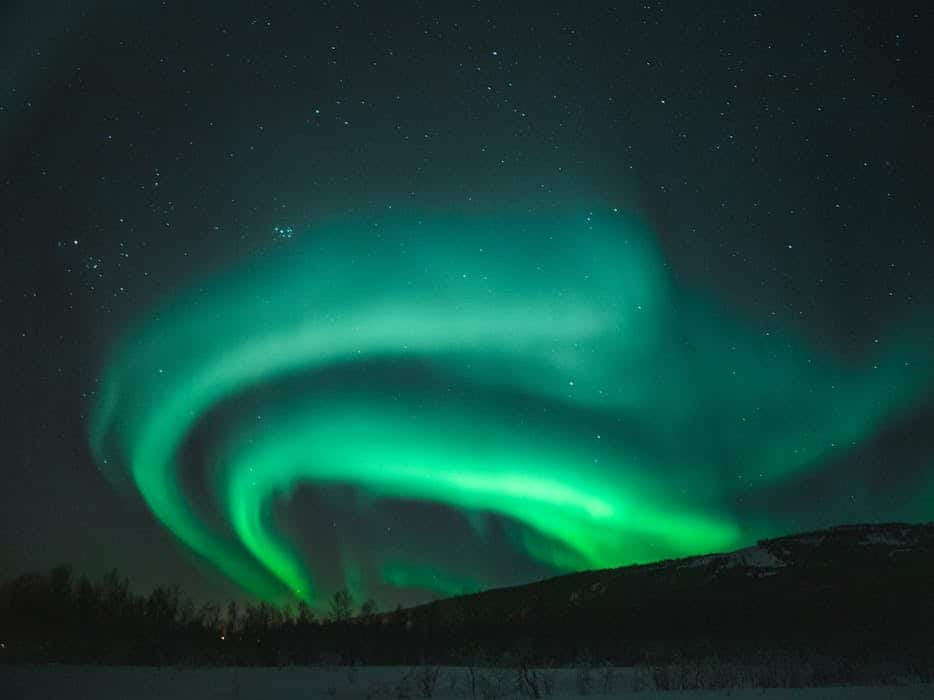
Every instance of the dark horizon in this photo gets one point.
(324, 608)
(812, 609)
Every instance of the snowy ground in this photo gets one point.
(337, 683)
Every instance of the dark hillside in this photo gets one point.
(861, 593)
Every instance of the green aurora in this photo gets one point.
(543, 368)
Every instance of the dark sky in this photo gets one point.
(183, 182)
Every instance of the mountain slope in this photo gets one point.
(855, 589)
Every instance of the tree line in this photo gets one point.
(689, 634)
(59, 617)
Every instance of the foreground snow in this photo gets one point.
(341, 683)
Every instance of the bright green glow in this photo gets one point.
(428, 455)
(575, 391)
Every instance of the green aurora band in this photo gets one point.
(547, 370)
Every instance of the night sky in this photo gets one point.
(424, 298)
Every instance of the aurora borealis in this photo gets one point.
(545, 388)
(418, 299)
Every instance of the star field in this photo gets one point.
(546, 286)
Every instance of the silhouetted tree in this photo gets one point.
(232, 623)
(340, 607)
(209, 617)
(304, 617)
